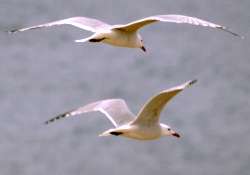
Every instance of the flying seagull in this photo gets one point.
(124, 35)
(144, 126)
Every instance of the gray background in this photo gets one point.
(44, 73)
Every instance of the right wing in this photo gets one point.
(150, 112)
(115, 110)
(85, 23)
(135, 25)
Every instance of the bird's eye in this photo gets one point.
(169, 129)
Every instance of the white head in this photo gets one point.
(167, 131)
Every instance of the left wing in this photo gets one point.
(116, 110)
(89, 24)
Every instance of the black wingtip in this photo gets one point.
(193, 82)
(55, 118)
(231, 32)
(49, 121)
(12, 31)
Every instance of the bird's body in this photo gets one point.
(125, 35)
(143, 126)
(135, 131)
(117, 38)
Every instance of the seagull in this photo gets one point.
(125, 35)
(144, 126)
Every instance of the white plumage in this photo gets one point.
(125, 35)
(143, 126)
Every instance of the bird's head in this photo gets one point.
(140, 43)
(167, 131)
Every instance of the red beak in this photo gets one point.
(176, 135)
(143, 48)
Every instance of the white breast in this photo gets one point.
(121, 38)
(143, 132)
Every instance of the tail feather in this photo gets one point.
(84, 39)
(105, 133)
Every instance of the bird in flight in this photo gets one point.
(143, 126)
(125, 35)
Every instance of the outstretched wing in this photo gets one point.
(116, 110)
(89, 24)
(150, 112)
(135, 25)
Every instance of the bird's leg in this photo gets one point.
(111, 132)
(96, 40)
(115, 133)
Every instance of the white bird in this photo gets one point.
(125, 35)
(144, 126)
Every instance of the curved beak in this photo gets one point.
(176, 134)
(143, 48)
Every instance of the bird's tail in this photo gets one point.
(85, 39)
(105, 133)
(109, 132)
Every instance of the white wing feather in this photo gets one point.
(150, 112)
(85, 23)
(115, 110)
(135, 25)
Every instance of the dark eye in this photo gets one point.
(169, 129)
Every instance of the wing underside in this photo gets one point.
(115, 110)
(135, 25)
(150, 112)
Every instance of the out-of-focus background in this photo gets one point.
(44, 73)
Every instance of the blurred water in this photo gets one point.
(44, 73)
